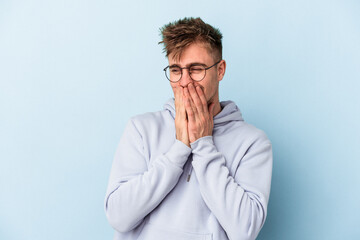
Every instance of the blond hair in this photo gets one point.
(178, 35)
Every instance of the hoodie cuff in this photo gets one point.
(203, 146)
(178, 153)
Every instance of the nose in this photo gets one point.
(185, 79)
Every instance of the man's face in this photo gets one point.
(194, 54)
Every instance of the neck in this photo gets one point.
(217, 108)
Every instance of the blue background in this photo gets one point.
(72, 72)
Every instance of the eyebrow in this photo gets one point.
(190, 64)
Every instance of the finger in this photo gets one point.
(195, 98)
(176, 96)
(177, 91)
(189, 99)
(189, 106)
(181, 103)
(201, 94)
(212, 110)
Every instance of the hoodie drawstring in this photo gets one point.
(189, 174)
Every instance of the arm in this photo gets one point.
(239, 202)
(135, 188)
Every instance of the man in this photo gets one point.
(194, 170)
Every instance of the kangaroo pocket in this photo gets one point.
(151, 232)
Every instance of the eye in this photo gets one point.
(175, 70)
(196, 69)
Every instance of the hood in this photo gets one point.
(229, 112)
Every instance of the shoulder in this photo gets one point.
(246, 134)
(150, 117)
(255, 133)
(150, 120)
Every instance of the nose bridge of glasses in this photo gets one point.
(187, 69)
(185, 78)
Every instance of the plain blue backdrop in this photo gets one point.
(73, 72)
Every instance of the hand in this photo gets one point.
(181, 122)
(199, 114)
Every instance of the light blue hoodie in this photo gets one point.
(149, 197)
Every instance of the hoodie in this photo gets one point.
(217, 189)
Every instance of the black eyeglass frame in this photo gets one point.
(181, 70)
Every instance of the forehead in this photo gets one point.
(196, 52)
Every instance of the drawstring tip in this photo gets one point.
(188, 178)
(189, 174)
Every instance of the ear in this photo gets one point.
(221, 69)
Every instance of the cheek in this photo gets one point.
(209, 91)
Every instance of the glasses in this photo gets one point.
(197, 72)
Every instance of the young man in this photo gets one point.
(194, 170)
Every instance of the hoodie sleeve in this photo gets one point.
(239, 202)
(136, 187)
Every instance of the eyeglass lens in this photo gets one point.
(174, 73)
